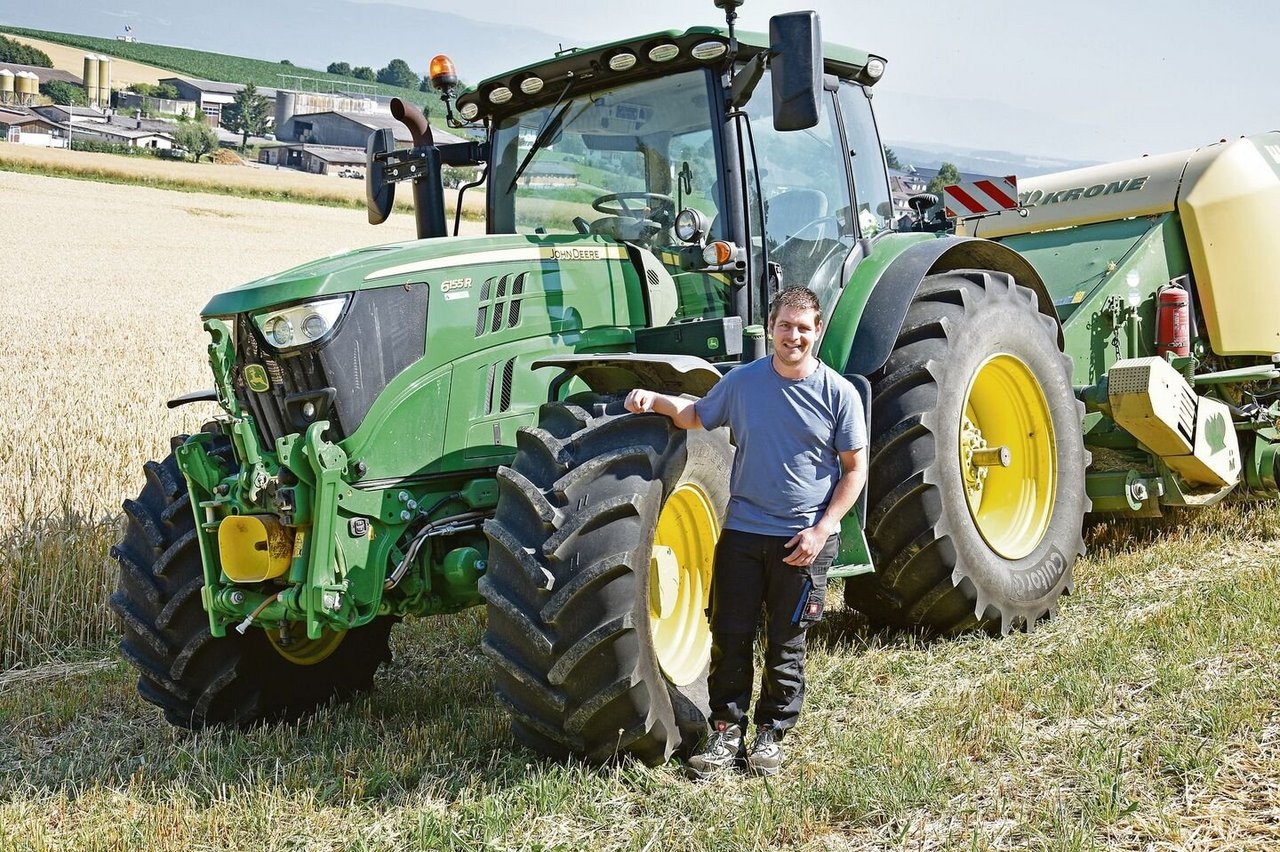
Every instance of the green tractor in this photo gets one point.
(423, 427)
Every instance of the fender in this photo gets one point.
(619, 372)
(893, 290)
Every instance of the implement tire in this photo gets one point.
(976, 492)
(599, 576)
(196, 679)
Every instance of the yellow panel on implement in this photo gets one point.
(1229, 205)
(1227, 196)
(254, 548)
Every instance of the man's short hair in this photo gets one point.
(797, 298)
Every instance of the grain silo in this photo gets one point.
(91, 79)
(7, 94)
(28, 86)
(286, 106)
(104, 81)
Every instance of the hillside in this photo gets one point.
(971, 161)
(205, 65)
(311, 35)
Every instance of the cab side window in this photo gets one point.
(808, 227)
(870, 181)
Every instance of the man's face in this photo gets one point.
(794, 332)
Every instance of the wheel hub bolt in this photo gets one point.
(992, 457)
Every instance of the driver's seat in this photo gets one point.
(787, 212)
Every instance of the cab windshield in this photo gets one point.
(618, 162)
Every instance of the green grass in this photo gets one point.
(212, 66)
(1147, 716)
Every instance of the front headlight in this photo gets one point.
(691, 225)
(300, 325)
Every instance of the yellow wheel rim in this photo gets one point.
(304, 651)
(1007, 456)
(680, 583)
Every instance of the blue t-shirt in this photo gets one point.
(789, 434)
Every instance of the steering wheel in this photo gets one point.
(656, 207)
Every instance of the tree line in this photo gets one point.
(23, 54)
(395, 73)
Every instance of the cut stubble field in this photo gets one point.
(1146, 717)
(246, 181)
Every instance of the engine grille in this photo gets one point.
(381, 333)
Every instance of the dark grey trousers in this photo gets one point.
(750, 576)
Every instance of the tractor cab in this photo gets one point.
(738, 163)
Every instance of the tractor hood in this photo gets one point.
(396, 264)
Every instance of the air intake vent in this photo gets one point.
(497, 317)
(488, 392)
(508, 373)
(503, 311)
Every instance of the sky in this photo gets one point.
(1084, 79)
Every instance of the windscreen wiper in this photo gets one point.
(549, 128)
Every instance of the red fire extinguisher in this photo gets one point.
(1173, 326)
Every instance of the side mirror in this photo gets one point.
(379, 193)
(795, 48)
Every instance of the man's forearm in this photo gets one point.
(842, 500)
(845, 494)
(679, 409)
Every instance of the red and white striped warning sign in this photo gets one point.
(974, 198)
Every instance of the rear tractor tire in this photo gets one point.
(976, 489)
(199, 680)
(600, 560)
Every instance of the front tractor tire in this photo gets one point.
(976, 489)
(600, 560)
(199, 680)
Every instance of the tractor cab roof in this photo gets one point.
(643, 56)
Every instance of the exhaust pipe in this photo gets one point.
(411, 117)
(428, 190)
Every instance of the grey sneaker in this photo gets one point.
(722, 751)
(765, 755)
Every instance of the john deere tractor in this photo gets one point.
(417, 428)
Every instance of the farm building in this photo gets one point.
(549, 175)
(290, 103)
(348, 129)
(8, 95)
(104, 126)
(26, 127)
(117, 135)
(211, 95)
(132, 100)
(61, 114)
(317, 159)
(45, 74)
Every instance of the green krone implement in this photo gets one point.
(422, 427)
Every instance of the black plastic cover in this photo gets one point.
(795, 43)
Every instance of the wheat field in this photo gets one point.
(123, 71)
(251, 181)
(1145, 718)
(100, 325)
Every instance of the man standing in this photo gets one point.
(801, 462)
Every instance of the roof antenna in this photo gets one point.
(730, 15)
